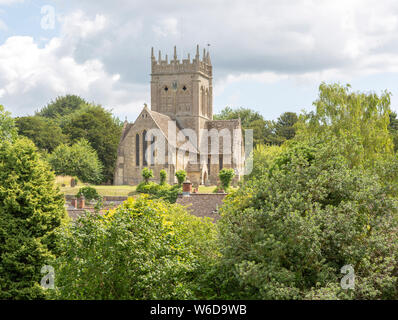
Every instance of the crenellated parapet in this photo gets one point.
(177, 66)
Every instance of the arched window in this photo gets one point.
(137, 150)
(144, 148)
(153, 150)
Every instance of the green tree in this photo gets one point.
(31, 209)
(287, 234)
(144, 249)
(147, 174)
(163, 177)
(360, 119)
(393, 129)
(8, 132)
(226, 176)
(79, 160)
(181, 176)
(98, 127)
(284, 127)
(62, 106)
(44, 132)
(263, 157)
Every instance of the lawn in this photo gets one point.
(110, 190)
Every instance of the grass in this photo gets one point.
(122, 191)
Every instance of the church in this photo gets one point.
(178, 131)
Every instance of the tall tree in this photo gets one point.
(7, 126)
(393, 129)
(360, 119)
(284, 127)
(62, 106)
(100, 129)
(44, 132)
(31, 209)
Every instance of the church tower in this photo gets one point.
(183, 89)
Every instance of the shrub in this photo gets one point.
(163, 176)
(31, 210)
(166, 192)
(144, 249)
(181, 176)
(89, 193)
(288, 234)
(147, 174)
(226, 176)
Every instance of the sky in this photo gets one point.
(270, 56)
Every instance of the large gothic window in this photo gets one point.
(137, 150)
(153, 150)
(144, 148)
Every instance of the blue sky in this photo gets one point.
(270, 56)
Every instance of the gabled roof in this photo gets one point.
(162, 122)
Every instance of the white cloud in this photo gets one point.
(31, 76)
(103, 48)
(8, 2)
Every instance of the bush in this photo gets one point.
(166, 192)
(144, 249)
(79, 160)
(226, 176)
(288, 234)
(163, 176)
(147, 174)
(89, 193)
(31, 210)
(181, 176)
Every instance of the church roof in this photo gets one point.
(162, 121)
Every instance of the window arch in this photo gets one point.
(137, 150)
(144, 148)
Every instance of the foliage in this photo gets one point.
(144, 249)
(100, 129)
(89, 193)
(44, 132)
(160, 191)
(287, 234)
(181, 176)
(163, 176)
(264, 131)
(8, 132)
(393, 129)
(284, 128)
(146, 174)
(31, 209)
(263, 156)
(78, 160)
(61, 107)
(226, 176)
(359, 119)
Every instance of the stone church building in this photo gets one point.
(181, 115)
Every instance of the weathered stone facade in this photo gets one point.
(181, 99)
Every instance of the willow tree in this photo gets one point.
(358, 119)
